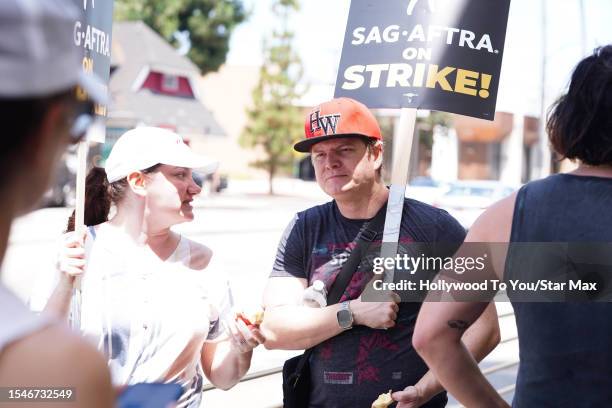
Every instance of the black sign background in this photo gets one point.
(97, 16)
(481, 17)
(92, 34)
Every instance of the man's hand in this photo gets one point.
(376, 315)
(411, 397)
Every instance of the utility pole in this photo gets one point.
(544, 154)
(583, 29)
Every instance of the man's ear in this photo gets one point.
(377, 150)
(138, 183)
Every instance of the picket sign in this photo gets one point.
(441, 55)
(79, 225)
(95, 134)
(399, 178)
(96, 18)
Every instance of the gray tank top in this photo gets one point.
(565, 348)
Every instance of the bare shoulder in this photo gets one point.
(495, 224)
(55, 357)
(200, 255)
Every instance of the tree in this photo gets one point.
(208, 23)
(275, 123)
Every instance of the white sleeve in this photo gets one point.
(219, 295)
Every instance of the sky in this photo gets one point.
(319, 32)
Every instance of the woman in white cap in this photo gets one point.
(146, 299)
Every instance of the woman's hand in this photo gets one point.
(227, 361)
(71, 256)
(70, 264)
(244, 338)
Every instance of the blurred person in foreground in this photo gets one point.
(40, 115)
(151, 302)
(565, 355)
(354, 360)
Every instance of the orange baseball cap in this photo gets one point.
(341, 117)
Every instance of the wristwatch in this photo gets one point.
(345, 316)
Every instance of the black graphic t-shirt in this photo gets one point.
(353, 368)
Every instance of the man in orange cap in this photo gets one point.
(353, 361)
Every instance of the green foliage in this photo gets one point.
(208, 22)
(427, 125)
(275, 123)
(438, 118)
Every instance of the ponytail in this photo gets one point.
(99, 195)
(97, 199)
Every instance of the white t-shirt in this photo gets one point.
(152, 310)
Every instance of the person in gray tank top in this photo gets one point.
(565, 354)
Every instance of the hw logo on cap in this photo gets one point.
(327, 123)
(341, 117)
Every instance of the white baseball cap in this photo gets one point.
(144, 147)
(38, 56)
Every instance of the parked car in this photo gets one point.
(210, 181)
(466, 200)
(426, 189)
(62, 192)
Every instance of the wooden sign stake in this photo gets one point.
(402, 149)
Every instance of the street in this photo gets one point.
(242, 226)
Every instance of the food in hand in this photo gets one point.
(383, 401)
(251, 319)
